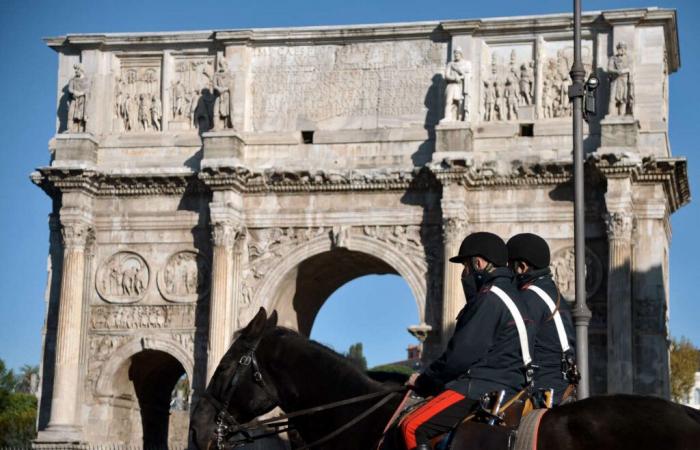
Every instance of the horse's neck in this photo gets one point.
(308, 376)
(313, 377)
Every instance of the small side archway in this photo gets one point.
(136, 385)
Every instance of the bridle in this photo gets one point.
(227, 427)
(226, 424)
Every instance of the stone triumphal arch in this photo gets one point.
(197, 176)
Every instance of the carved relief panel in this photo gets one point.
(191, 91)
(507, 82)
(101, 347)
(138, 317)
(563, 271)
(556, 59)
(185, 277)
(124, 277)
(138, 104)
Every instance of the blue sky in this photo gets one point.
(376, 309)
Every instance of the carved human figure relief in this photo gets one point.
(223, 105)
(621, 83)
(138, 316)
(184, 278)
(156, 113)
(457, 75)
(556, 59)
(78, 90)
(193, 80)
(138, 107)
(123, 278)
(563, 271)
(526, 83)
(508, 87)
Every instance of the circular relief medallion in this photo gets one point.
(563, 272)
(123, 278)
(185, 277)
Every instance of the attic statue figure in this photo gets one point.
(223, 105)
(457, 79)
(77, 90)
(621, 84)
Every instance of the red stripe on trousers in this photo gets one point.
(421, 415)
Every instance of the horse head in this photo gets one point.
(237, 392)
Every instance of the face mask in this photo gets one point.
(479, 276)
(469, 286)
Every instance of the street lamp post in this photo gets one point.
(581, 313)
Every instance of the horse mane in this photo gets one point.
(337, 364)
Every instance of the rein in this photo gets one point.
(227, 426)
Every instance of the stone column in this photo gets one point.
(222, 289)
(64, 423)
(620, 351)
(453, 296)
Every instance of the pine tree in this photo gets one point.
(356, 356)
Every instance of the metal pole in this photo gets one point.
(581, 313)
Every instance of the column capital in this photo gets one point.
(225, 234)
(619, 225)
(77, 234)
(454, 229)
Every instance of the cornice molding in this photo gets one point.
(671, 172)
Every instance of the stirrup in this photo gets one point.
(490, 407)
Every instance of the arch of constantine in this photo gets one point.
(197, 176)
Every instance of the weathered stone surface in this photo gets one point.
(206, 174)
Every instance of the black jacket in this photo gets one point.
(485, 349)
(548, 352)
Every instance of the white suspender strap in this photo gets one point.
(519, 323)
(563, 340)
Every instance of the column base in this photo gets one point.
(58, 434)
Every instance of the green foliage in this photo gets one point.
(355, 355)
(685, 361)
(17, 411)
(393, 368)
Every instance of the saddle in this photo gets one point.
(512, 426)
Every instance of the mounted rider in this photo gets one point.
(529, 257)
(488, 351)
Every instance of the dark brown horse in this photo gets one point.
(269, 366)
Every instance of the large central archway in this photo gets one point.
(303, 280)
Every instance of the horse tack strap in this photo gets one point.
(394, 416)
(561, 331)
(519, 324)
(350, 424)
(528, 430)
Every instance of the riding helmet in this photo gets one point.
(487, 245)
(530, 248)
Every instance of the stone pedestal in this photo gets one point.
(452, 138)
(75, 149)
(619, 131)
(222, 148)
(64, 424)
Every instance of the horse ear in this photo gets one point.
(257, 325)
(272, 320)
